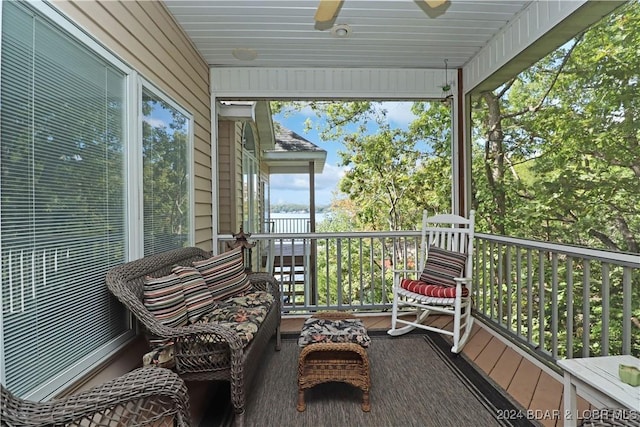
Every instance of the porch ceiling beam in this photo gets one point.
(240, 112)
(327, 83)
(542, 27)
(297, 162)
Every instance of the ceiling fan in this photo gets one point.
(327, 9)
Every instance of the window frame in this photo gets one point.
(136, 199)
(132, 175)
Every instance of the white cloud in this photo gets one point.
(156, 123)
(399, 112)
(329, 177)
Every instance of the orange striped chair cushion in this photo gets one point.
(436, 291)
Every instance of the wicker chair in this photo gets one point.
(203, 351)
(143, 397)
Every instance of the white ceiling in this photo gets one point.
(384, 34)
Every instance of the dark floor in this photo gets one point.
(527, 384)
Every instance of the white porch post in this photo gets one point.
(214, 175)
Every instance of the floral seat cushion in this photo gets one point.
(318, 330)
(244, 314)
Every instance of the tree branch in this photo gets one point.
(604, 239)
(535, 108)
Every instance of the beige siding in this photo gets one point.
(146, 37)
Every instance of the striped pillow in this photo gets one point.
(442, 266)
(163, 297)
(197, 296)
(224, 274)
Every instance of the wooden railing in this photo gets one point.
(288, 225)
(557, 300)
(563, 301)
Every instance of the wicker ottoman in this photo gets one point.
(333, 350)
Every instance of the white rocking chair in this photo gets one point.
(443, 282)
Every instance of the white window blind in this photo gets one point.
(166, 144)
(62, 206)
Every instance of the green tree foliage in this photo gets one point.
(556, 158)
(382, 178)
(392, 174)
(557, 153)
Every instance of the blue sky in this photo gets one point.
(295, 188)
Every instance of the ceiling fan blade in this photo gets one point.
(327, 9)
(435, 3)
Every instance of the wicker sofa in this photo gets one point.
(206, 350)
(143, 397)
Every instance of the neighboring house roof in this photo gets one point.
(292, 153)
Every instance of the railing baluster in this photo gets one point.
(554, 305)
(350, 275)
(476, 273)
(541, 319)
(508, 287)
(500, 284)
(605, 310)
(306, 266)
(626, 311)
(361, 290)
(586, 277)
(491, 280)
(339, 272)
(518, 292)
(529, 295)
(484, 277)
(569, 299)
(372, 271)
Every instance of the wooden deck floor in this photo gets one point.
(535, 388)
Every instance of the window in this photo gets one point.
(62, 202)
(70, 196)
(166, 144)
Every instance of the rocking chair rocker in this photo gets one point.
(444, 281)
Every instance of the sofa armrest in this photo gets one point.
(139, 397)
(265, 282)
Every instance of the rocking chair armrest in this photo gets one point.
(146, 393)
(462, 282)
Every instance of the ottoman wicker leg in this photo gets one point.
(301, 405)
(329, 361)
